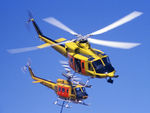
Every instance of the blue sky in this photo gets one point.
(129, 93)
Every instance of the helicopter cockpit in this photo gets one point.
(101, 65)
(81, 93)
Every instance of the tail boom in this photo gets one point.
(46, 83)
(60, 48)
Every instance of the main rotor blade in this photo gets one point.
(118, 23)
(22, 50)
(27, 49)
(121, 45)
(58, 24)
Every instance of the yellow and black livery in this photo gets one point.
(82, 58)
(63, 88)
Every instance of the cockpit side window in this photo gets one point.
(72, 91)
(78, 90)
(90, 67)
(98, 66)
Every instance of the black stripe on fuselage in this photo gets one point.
(52, 40)
(40, 33)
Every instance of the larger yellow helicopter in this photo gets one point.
(82, 57)
(70, 90)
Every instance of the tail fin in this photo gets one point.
(40, 34)
(45, 82)
(60, 47)
(28, 65)
(34, 23)
(37, 79)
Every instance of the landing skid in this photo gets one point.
(82, 102)
(66, 103)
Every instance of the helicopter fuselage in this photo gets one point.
(82, 58)
(88, 61)
(64, 89)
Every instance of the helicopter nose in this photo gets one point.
(112, 74)
(85, 96)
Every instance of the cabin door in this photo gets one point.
(77, 65)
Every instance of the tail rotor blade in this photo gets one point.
(27, 49)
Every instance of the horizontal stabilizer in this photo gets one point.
(43, 45)
(26, 49)
(60, 40)
(36, 81)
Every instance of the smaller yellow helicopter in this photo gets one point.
(70, 90)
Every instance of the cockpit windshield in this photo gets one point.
(78, 89)
(108, 65)
(100, 68)
(83, 89)
(106, 60)
(80, 93)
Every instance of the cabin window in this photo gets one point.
(59, 89)
(90, 67)
(67, 90)
(63, 89)
(71, 60)
(83, 65)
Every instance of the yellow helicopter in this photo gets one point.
(84, 59)
(70, 90)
